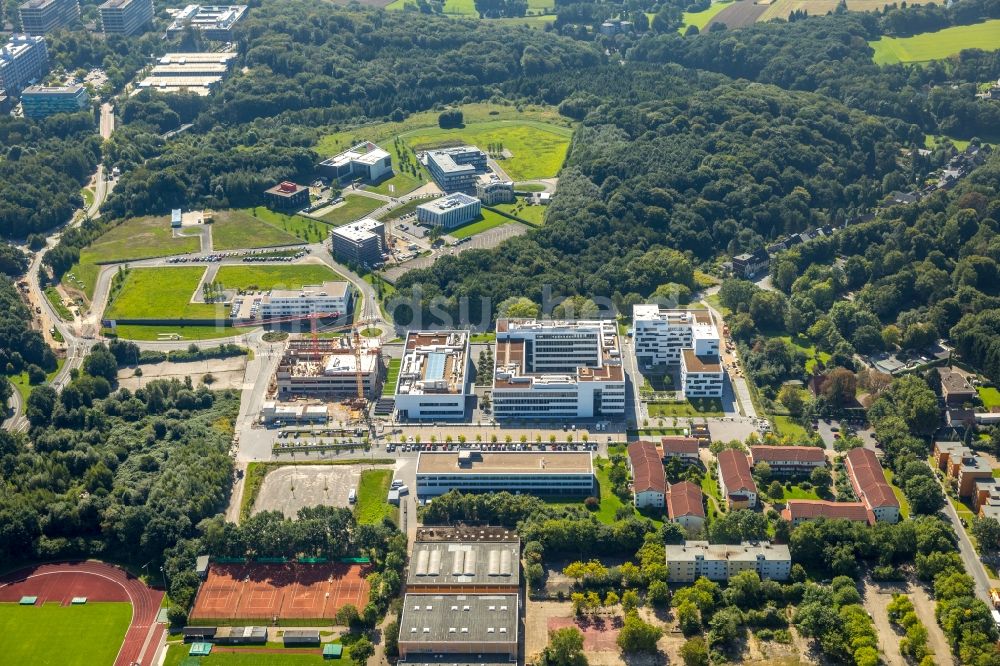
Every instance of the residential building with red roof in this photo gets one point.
(789, 460)
(868, 481)
(685, 506)
(735, 480)
(799, 511)
(684, 448)
(649, 482)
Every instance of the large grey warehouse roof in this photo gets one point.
(453, 563)
(459, 618)
(455, 660)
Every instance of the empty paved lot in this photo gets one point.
(291, 488)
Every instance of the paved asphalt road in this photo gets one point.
(969, 557)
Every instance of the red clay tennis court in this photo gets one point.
(286, 591)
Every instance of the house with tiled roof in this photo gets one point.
(868, 481)
(735, 480)
(799, 511)
(649, 482)
(685, 506)
(789, 460)
(683, 448)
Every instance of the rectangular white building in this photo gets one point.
(557, 369)
(213, 21)
(364, 160)
(491, 189)
(329, 297)
(456, 169)
(23, 60)
(569, 473)
(125, 17)
(433, 381)
(694, 559)
(449, 212)
(686, 338)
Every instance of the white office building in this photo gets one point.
(213, 21)
(685, 338)
(561, 473)
(491, 189)
(329, 297)
(449, 212)
(125, 17)
(365, 161)
(23, 60)
(456, 169)
(433, 376)
(693, 559)
(557, 369)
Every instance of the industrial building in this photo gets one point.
(286, 195)
(686, 338)
(328, 368)
(473, 560)
(456, 169)
(491, 189)
(330, 299)
(40, 17)
(459, 624)
(869, 484)
(199, 73)
(361, 243)
(23, 60)
(449, 212)
(125, 17)
(365, 161)
(735, 480)
(213, 21)
(44, 101)
(693, 559)
(789, 460)
(433, 376)
(649, 482)
(557, 369)
(564, 473)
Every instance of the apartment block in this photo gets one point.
(434, 376)
(797, 512)
(649, 482)
(683, 448)
(361, 243)
(694, 559)
(40, 17)
(449, 212)
(685, 338)
(789, 460)
(557, 369)
(701, 376)
(868, 480)
(125, 17)
(456, 169)
(685, 506)
(23, 60)
(561, 473)
(44, 101)
(962, 465)
(735, 479)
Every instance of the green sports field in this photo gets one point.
(937, 45)
(162, 293)
(55, 635)
(279, 276)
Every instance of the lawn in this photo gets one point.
(21, 384)
(904, 504)
(807, 347)
(373, 489)
(354, 208)
(537, 149)
(468, 7)
(142, 332)
(57, 304)
(263, 277)
(57, 635)
(402, 182)
(177, 654)
(391, 374)
(701, 19)
(307, 229)
(408, 207)
(786, 426)
(937, 45)
(135, 238)
(693, 407)
(531, 187)
(610, 503)
(990, 397)
(533, 215)
(710, 487)
(243, 229)
(162, 293)
(488, 220)
(796, 492)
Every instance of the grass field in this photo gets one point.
(278, 276)
(23, 386)
(786, 426)
(533, 215)
(135, 238)
(177, 654)
(693, 407)
(537, 150)
(243, 229)
(468, 7)
(401, 182)
(701, 19)
(990, 396)
(142, 332)
(937, 45)
(797, 492)
(55, 635)
(373, 488)
(538, 22)
(162, 293)
(354, 208)
(488, 220)
(782, 8)
(56, 301)
(391, 375)
(904, 504)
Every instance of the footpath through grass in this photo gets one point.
(280, 276)
(937, 45)
(373, 490)
(56, 635)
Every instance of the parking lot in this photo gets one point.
(288, 489)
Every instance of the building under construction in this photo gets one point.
(329, 368)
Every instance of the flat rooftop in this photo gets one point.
(181, 58)
(445, 159)
(511, 369)
(191, 69)
(695, 363)
(52, 90)
(359, 231)
(434, 362)
(691, 551)
(464, 563)
(180, 81)
(337, 289)
(36, 4)
(340, 362)
(467, 534)
(654, 312)
(510, 462)
(449, 202)
(459, 618)
(115, 4)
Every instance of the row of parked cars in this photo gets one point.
(408, 447)
(248, 255)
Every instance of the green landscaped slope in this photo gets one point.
(488, 220)
(162, 293)
(937, 45)
(272, 277)
(701, 19)
(56, 635)
(243, 229)
(352, 209)
(373, 489)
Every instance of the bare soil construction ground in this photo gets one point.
(289, 489)
(226, 372)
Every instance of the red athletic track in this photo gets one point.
(98, 582)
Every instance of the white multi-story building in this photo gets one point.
(40, 17)
(455, 169)
(557, 369)
(686, 338)
(491, 189)
(124, 17)
(365, 160)
(330, 299)
(213, 21)
(449, 212)
(23, 60)
(693, 559)
(433, 376)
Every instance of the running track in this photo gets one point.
(97, 582)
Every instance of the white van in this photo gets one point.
(353, 497)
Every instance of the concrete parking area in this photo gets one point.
(227, 373)
(288, 489)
